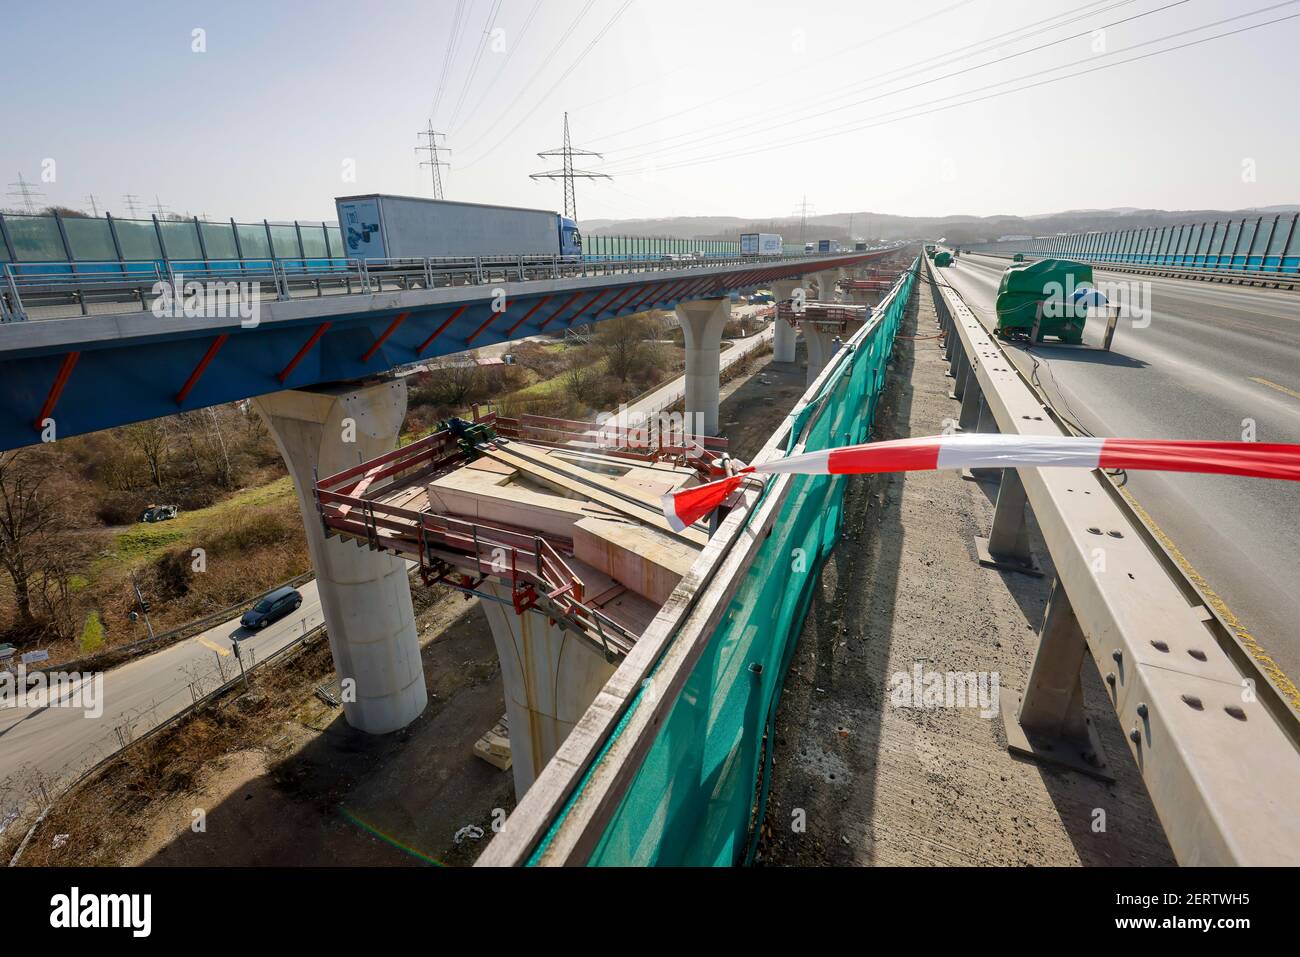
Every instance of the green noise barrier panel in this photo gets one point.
(701, 791)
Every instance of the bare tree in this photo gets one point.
(623, 343)
(151, 439)
(28, 519)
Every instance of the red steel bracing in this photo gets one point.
(655, 289)
(590, 303)
(621, 301)
(199, 369)
(392, 327)
(60, 380)
(486, 322)
(456, 314)
(528, 315)
(670, 294)
(567, 303)
(306, 348)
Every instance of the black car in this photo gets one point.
(273, 606)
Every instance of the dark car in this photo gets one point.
(273, 606)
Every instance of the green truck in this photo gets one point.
(1047, 292)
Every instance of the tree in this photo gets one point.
(28, 518)
(151, 439)
(623, 342)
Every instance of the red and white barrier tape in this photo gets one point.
(1255, 459)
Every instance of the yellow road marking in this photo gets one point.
(1266, 663)
(217, 648)
(1273, 385)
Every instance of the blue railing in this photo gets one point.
(1263, 244)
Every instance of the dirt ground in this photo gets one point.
(874, 783)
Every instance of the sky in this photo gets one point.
(724, 107)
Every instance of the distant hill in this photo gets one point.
(957, 228)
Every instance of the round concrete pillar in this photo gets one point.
(365, 595)
(783, 341)
(702, 323)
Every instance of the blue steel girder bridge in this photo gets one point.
(84, 372)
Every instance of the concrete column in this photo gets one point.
(702, 323)
(366, 596)
(826, 285)
(784, 335)
(820, 348)
(550, 675)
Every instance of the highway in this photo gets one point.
(1213, 360)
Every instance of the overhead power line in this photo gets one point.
(546, 61)
(514, 45)
(453, 36)
(946, 76)
(478, 57)
(916, 110)
(591, 45)
(895, 75)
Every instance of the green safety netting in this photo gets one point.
(702, 787)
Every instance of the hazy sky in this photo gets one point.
(701, 107)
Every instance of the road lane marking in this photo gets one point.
(1256, 651)
(1273, 385)
(217, 648)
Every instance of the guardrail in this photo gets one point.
(632, 783)
(25, 287)
(1241, 277)
(1214, 740)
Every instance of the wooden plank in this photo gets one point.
(565, 476)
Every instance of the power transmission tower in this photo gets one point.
(132, 204)
(159, 209)
(802, 211)
(94, 206)
(433, 162)
(567, 172)
(24, 191)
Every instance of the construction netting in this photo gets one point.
(701, 791)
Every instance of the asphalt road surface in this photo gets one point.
(53, 744)
(1213, 360)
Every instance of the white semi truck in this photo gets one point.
(760, 244)
(378, 226)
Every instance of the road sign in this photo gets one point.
(34, 656)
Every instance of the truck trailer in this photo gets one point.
(828, 245)
(379, 226)
(761, 244)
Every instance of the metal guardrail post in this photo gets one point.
(15, 300)
(1007, 544)
(478, 270)
(1047, 722)
(428, 273)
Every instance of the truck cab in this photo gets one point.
(570, 239)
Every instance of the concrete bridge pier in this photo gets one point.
(820, 348)
(365, 595)
(826, 285)
(551, 677)
(783, 336)
(702, 322)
